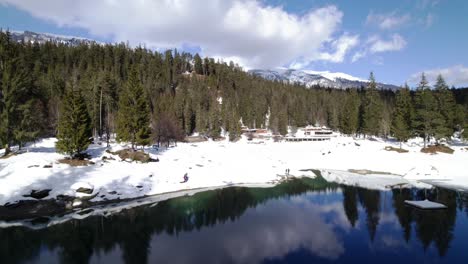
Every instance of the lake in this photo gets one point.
(299, 221)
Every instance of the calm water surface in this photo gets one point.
(301, 221)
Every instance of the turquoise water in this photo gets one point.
(300, 221)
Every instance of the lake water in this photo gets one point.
(300, 221)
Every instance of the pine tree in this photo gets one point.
(234, 126)
(74, 127)
(445, 108)
(215, 124)
(15, 89)
(133, 114)
(107, 106)
(401, 124)
(350, 113)
(31, 124)
(425, 118)
(371, 108)
(198, 64)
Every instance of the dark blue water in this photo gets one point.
(301, 221)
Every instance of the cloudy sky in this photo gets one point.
(396, 39)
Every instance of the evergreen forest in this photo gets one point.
(78, 93)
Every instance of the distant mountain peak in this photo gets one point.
(34, 37)
(311, 78)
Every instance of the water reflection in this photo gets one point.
(298, 221)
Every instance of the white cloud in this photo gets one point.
(395, 43)
(423, 4)
(358, 55)
(387, 21)
(456, 75)
(256, 236)
(255, 34)
(341, 47)
(375, 44)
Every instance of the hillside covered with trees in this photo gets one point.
(92, 90)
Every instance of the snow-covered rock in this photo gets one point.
(82, 189)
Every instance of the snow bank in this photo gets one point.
(210, 164)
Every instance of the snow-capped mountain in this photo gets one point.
(309, 78)
(33, 37)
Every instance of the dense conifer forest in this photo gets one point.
(143, 96)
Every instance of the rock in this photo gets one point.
(139, 186)
(357, 144)
(33, 166)
(84, 190)
(47, 166)
(113, 192)
(40, 194)
(64, 198)
(27, 209)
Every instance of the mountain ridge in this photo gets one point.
(311, 78)
(41, 38)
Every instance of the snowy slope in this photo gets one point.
(33, 37)
(311, 78)
(214, 164)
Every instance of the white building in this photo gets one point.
(311, 133)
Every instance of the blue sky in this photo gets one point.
(396, 39)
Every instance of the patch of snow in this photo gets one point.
(335, 75)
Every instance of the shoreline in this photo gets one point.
(38, 214)
(220, 164)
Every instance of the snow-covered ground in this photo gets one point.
(214, 164)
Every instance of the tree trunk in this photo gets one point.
(108, 129)
(7, 150)
(100, 115)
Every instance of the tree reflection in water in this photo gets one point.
(243, 225)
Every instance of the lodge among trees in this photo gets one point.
(144, 96)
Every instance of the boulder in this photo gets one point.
(82, 189)
(85, 190)
(38, 194)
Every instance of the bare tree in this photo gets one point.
(166, 130)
